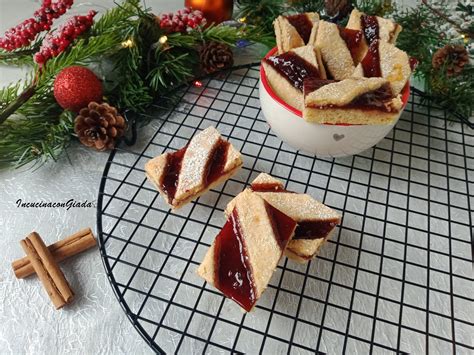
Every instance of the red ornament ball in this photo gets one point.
(75, 87)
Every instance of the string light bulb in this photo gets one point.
(127, 44)
(163, 39)
(242, 19)
(197, 83)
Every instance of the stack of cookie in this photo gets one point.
(264, 222)
(351, 75)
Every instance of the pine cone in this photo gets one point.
(454, 57)
(215, 56)
(337, 7)
(99, 126)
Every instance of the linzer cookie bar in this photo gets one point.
(351, 101)
(286, 72)
(385, 60)
(206, 161)
(315, 221)
(295, 30)
(374, 27)
(246, 252)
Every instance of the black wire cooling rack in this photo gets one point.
(396, 276)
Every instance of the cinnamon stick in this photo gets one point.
(61, 250)
(47, 269)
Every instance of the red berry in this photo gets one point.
(39, 58)
(183, 20)
(57, 42)
(42, 19)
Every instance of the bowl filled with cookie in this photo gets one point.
(333, 91)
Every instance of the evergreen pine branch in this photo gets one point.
(188, 40)
(131, 90)
(111, 20)
(39, 137)
(171, 70)
(300, 6)
(382, 8)
(446, 18)
(19, 57)
(467, 9)
(9, 93)
(453, 93)
(421, 35)
(84, 51)
(257, 34)
(260, 13)
(223, 34)
(41, 130)
(420, 38)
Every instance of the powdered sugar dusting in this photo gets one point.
(343, 92)
(264, 178)
(300, 207)
(191, 178)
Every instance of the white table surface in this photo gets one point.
(94, 323)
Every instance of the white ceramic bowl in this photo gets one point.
(324, 140)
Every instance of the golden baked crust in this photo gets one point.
(303, 250)
(263, 250)
(388, 30)
(327, 104)
(334, 52)
(343, 92)
(287, 37)
(194, 165)
(282, 87)
(394, 66)
(299, 207)
(349, 116)
(312, 55)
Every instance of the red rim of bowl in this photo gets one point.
(263, 78)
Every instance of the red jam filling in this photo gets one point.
(216, 164)
(314, 229)
(267, 187)
(304, 229)
(376, 99)
(215, 168)
(282, 225)
(170, 176)
(370, 27)
(302, 24)
(233, 272)
(413, 63)
(353, 39)
(294, 68)
(373, 100)
(371, 61)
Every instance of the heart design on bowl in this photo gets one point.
(338, 137)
